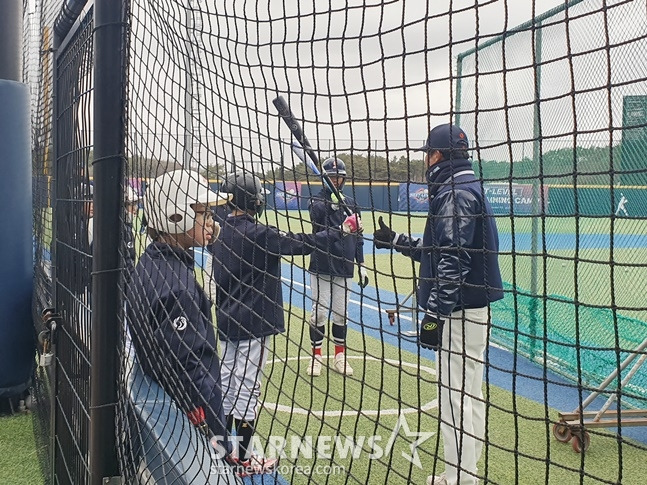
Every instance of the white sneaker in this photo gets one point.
(341, 365)
(314, 369)
(437, 479)
(440, 480)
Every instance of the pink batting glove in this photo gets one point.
(352, 224)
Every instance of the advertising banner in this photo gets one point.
(286, 195)
(415, 197)
(501, 196)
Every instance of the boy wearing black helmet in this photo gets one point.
(249, 300)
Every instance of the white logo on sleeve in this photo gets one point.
(180, 323)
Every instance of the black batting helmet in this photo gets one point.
(247, 192)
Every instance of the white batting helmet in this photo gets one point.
(168, 200)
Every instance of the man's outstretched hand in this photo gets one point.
(384, 236)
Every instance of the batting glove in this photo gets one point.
(363, 276)
(431, 331)
(352, 224)
(198, 419)
(384, 237)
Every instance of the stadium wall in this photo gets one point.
(596, 201)
(586, 201)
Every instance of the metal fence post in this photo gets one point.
(109, 133)
(536, 207)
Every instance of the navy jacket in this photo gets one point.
(247, 271)
(458, 253)
(334, 260)
(169, 316)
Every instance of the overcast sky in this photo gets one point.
(367, 75)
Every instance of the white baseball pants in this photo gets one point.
(462, 409)
(241, 371)
(329, 295)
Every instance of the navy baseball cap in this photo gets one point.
(445, 137)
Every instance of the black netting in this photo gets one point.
(38, 59)
(73, 252)
(554, 112)
(63, 192)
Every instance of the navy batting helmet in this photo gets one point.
(334, 167)
(247, 192)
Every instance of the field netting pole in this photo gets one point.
(536, 156)
(53, 41)
(109, 150)
(187, 152)
(58, 221)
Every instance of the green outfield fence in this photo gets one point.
(574, 114)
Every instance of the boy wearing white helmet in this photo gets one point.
(168, 312)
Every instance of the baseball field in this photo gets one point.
(381, 423)
(394, 382)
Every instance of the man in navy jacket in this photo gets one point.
(459, 277)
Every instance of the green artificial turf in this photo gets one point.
(520, 444)
(18, 457)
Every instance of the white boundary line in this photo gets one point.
(365, 412)
(372, 307)
(365, 305)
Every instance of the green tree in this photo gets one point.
(363, 168)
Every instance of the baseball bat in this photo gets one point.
(304, 151)
(305, 158)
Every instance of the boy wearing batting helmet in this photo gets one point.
(249, 300)
(331, 270)
(168, 313)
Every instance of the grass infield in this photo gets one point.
(18, 458)
(520, 445)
